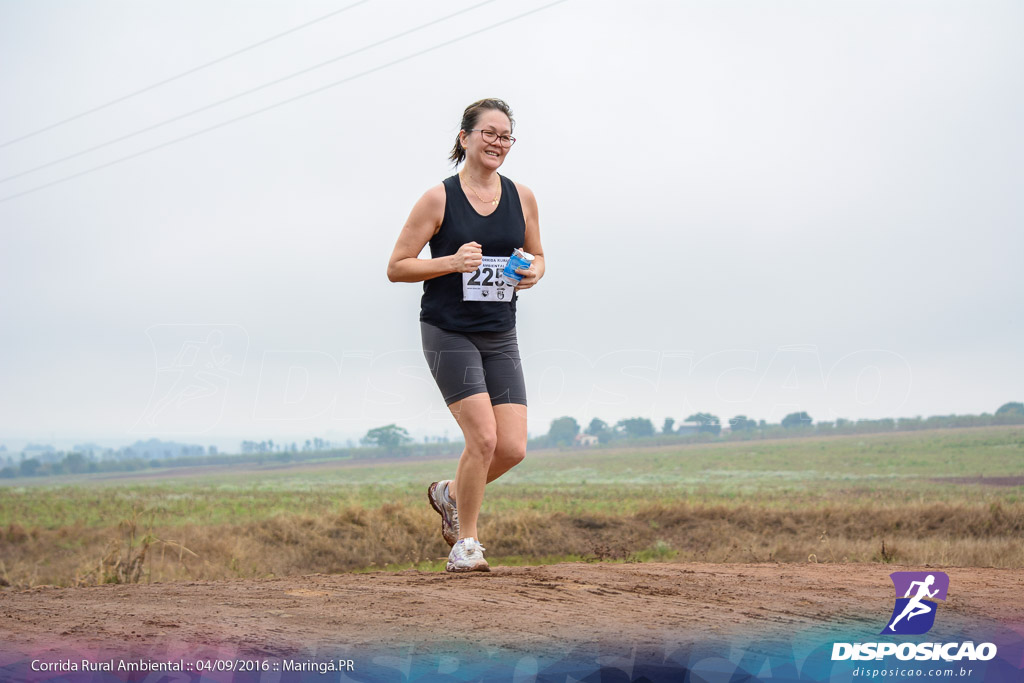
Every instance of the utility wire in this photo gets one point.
(183, 74)
(281, 103)
(241, 94)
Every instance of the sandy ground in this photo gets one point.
(534, 609)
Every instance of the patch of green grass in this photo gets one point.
(809, 473)
(660, 551)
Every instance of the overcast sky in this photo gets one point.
(746, 208)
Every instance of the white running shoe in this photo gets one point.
(446, 508)
(467, 555)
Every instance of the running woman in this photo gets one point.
(468, 317)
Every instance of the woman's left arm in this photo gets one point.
(531, 242)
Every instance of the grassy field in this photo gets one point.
(937, 497)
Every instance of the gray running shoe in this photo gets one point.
(467, 555)
(449, 513)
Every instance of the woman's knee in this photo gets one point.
(510, 454)
(482, 443)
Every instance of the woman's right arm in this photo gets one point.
(423, 223)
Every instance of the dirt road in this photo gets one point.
(535, 609)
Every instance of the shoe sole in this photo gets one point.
(483, 567)
(433, 504)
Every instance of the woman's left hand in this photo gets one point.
(530, 278)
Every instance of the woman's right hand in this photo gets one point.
(468, 258)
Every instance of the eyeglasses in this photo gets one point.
(490, 137)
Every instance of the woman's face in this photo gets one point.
(489, 155)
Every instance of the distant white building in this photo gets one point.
(585, 440)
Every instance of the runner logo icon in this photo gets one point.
(916, 593)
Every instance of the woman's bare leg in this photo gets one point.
(476, 418)
(510, 449)
(510, 420)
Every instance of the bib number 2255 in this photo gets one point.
(486, 283)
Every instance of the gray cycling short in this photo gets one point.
(468, 363)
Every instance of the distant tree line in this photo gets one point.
(394, 441)
(269, 446)
(566, 431)
(391, 441)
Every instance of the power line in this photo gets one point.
(281, 103)
(183, 74)
(240, 94)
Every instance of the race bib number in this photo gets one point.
(486, 283)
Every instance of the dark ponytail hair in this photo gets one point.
(469, 121)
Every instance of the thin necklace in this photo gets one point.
(494, 202)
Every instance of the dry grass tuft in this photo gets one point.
(397, 536)
(16, 534)
(124, 558)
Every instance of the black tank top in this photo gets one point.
(498, 234)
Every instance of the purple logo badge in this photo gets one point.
(916, 593)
